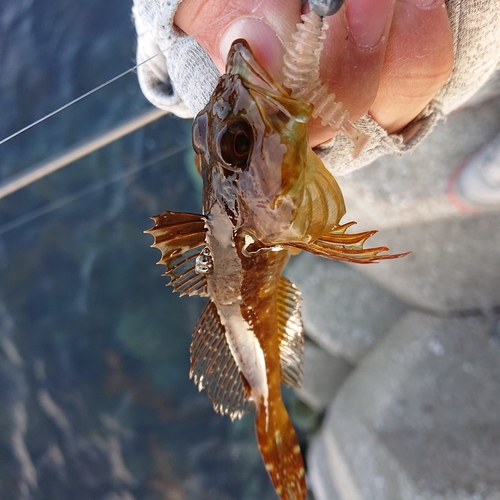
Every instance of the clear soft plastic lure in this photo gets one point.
(302, 79)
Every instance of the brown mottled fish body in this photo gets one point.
(265, 195)
(245, 290)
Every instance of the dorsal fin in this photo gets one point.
(338, 245)
(290, 333)
(214, 368)
(179, 236)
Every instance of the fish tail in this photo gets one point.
(281, 452)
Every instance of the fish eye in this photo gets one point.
(234, 143)
(199, 133)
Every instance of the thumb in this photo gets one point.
(265, 25)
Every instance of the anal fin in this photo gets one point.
(180, 237)
(290, 333)
(214, 368)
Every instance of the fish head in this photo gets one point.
(252, 149)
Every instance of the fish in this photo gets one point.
(266, 196)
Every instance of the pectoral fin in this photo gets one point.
(214, 368)
(290, 333)
(180, 237)
(338, 245)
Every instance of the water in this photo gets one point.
(95, 399)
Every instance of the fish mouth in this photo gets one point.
(242, 63)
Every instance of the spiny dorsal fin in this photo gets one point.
(290, 333)
(179, 236)
(337, 245)
(213, 366)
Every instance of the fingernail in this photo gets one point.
(426, 4)
(263, 41)
(367, 20)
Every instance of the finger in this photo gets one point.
(266, 25)
(419, 61)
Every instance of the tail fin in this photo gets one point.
(280, 451)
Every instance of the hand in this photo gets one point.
(388, 58)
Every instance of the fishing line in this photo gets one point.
(114, 79)
(74, 101)
(70, 198)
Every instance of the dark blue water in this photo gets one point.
(95, 399)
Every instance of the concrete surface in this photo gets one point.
(320, 475)
(343, 311)
(420, 417)
(454, 265)
(323, 376)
